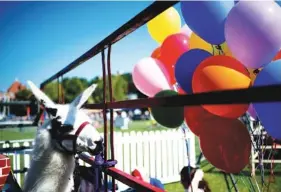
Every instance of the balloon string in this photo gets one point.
(220, 49)
(256, 71)
(272, 163)
(213, 49)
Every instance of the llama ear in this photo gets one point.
(41, 97)
(83, 97)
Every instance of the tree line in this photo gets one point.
(122, 85)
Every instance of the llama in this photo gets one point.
(68, 131)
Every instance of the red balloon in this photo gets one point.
(172, 48)
(278, 56)
(196, 117)
(156, 53)
(221, 73)
(226, 144)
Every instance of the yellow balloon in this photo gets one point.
(165, 24)
(196, 42)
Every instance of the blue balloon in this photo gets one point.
(269, 113)
(278, 2)
(186, 66)
(207, 18)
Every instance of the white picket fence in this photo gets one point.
(161, 153)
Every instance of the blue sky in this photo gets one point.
(37, 39)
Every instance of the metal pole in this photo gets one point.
(226, 181)
(233, 182)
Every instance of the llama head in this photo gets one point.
(70, 125)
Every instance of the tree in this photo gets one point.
(51, 90)
(131, 86)
(73, 87)
(119, 88)
(94, 80)
(23, 95)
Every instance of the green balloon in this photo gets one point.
(171, 117)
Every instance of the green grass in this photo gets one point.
(212, 175)
(29, 132)
(15, 134)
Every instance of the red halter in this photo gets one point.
(71, 137)
(81, 127)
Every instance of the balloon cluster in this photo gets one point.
(223, 45)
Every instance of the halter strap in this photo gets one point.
(61, 138)
(81, 127)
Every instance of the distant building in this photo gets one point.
(14, 88)
(2, 95)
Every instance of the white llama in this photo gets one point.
(68, 131)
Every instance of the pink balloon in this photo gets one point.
(252, 111)
(186, 30)
(150, 76)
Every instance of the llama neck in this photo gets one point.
(50, 170)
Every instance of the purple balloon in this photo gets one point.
(252, 32)
(252, 111)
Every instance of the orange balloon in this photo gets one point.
(278, 56)
(221, 73)
(196, 117)
(156, 53)
(226, 144)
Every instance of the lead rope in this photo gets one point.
(104, 116)
(111, 110)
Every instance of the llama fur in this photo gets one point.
(50, 170)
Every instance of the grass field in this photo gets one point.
(213, 176)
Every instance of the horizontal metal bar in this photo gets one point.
(140, 19)
(16, 141)
(267, 161)
(131, 181)
(122, 176)
(15, 103)
(88, 159)
(19, 150)
(254, 94)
